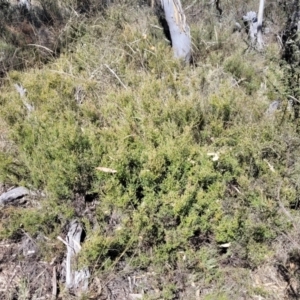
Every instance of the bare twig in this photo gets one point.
(62, 240)
(293, 98)
(237, 190)
(113, 72)
(188, 7)
(40, 46)
(155, 26)
(237, 82)
(106, 170)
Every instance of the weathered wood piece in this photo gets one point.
(251, 20)
(179, 30)
(22, 92)
(75, 279)
(54, 284)
(254, 24)
(13, 194)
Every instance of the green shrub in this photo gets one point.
(245, 74)
(192, 161)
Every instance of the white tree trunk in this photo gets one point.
(255, 26)
(260, 43)
(179, 30)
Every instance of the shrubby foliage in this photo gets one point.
(198, 163)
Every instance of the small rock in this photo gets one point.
(273, 107)
(13, 194)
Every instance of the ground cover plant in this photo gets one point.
(187, 188)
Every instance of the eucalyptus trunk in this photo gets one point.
(179, 30)
(260, 43)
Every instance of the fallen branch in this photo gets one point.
(112, 71)
(293, 98)
(54, 284)
(40, 46)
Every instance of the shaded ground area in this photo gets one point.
(24, 276)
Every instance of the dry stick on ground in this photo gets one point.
(54, 284)
(293, 98)
(112, 71)
(190, 6)
(40, 46)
